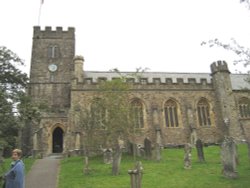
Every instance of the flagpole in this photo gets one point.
(40, 11)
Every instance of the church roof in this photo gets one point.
(238, 80)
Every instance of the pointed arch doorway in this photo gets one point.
(57, 141)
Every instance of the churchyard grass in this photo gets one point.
(168, 173)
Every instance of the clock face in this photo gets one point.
(52, 67)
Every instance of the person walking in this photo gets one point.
(14, 178)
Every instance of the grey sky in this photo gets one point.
(161, 35)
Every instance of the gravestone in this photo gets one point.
(130, 148)
(86, 169)
(140, 150)
(229, 158)
(108, 156)
(199, 148)
(187, 156)
(148, 148)
(136, 175)
(193, 136)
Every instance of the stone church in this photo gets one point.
(183, 106)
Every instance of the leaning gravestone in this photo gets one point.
(199, 148)
(187, 156)
(229, 158)
(148, 148)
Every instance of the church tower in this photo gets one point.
(51, 66)
(50, 75)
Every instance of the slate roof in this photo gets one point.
(238, 80)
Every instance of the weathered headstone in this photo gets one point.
(117, 160)
(199, 148)
(187, 156)
(86, 169)
(193, 136)
(130, 148)
(108, 156)
(148, 148)
(136, 175)
(229, 158)
(140, 150)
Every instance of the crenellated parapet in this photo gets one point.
(150, 78)
(219, 66)
(50, 33)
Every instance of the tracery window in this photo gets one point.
(137, 113)
(171, 113)
(203, 111)
(244, 107)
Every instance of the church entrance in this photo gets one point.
(57, 140)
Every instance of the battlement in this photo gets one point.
(219, 66)
(48, 32)
(150, 78)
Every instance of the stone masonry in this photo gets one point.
(206, 102)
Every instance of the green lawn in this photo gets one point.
(169, 173)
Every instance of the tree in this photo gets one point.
(12, 85)
(108, 119)
(242, 52)
(117, 123)
(29, 113)
(89, 122)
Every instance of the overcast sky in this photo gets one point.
(161, 35)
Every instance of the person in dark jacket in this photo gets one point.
(14, 178)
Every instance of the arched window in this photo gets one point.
(171, 115)
(98, 113)
(203, 113)
(244, 107)
(137, 113)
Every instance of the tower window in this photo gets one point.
(53, 51)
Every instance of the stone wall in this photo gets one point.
(186, 96)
